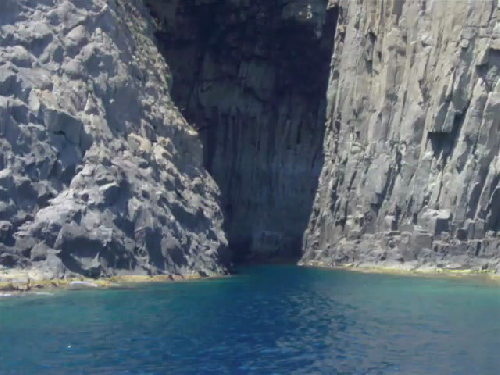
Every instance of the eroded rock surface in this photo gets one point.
(99, 172)
(412, 141)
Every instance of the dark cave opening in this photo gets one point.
(253, 82)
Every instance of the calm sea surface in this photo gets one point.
(267, 320)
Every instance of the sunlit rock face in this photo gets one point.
(252, 77)
(100, 174)
(412, 138)
(341, 132)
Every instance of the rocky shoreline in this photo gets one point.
(411, 271)
(17, 282)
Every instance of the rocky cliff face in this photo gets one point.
(252, 76)
(412, 139)
(99, 172)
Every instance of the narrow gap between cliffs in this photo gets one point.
(253, 79)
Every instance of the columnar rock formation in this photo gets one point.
(252, 76)
(412, 139)
(386, 153)
(99, 172)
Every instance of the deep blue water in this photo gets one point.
(268, 320)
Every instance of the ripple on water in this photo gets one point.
(280, 319)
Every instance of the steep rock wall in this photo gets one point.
(412, 141)
(100, 174)
(252, 76)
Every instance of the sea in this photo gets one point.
(263, 320)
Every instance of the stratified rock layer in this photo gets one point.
(412, 141)
(99, 172)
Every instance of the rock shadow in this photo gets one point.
(253, 80)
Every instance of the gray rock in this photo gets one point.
(5, 231)
(100, 174)
(398, 164)
(415, 138)
(251, 75)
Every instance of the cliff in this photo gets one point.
(252, 77)
(100, 174)
(412, 138)
(339, 132)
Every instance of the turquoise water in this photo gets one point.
(268, 320)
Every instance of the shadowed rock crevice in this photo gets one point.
(252, 78)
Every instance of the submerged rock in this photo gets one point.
(84, 284)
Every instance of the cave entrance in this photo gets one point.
(253, 79)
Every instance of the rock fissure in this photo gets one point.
(252, 78)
